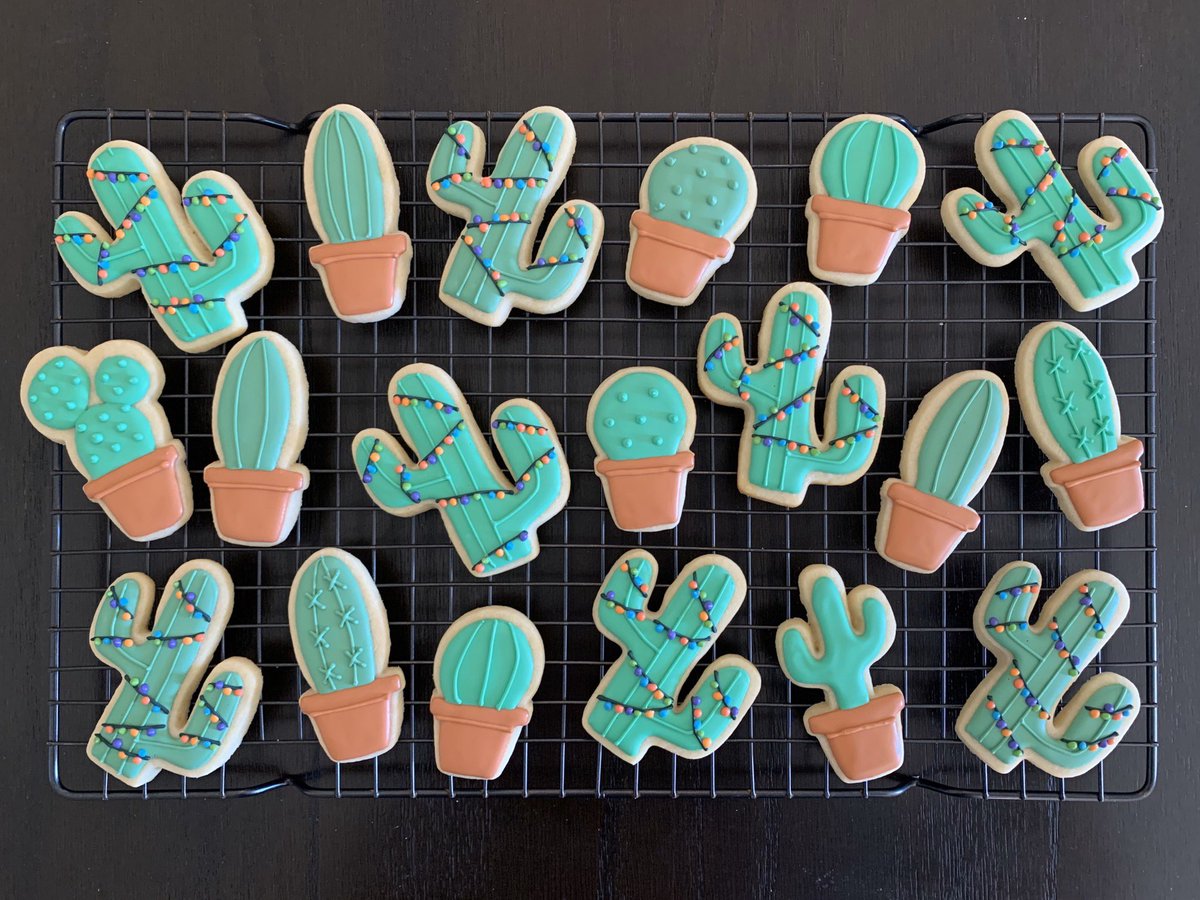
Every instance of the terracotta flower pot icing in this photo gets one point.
(670, 259)
(924, 530)
(474, 741)
(646, 494)
(855, 238)
(865, 742)
(355, 723)
(148, 496)
(1106, 489)
(252, 506)
(364, 280)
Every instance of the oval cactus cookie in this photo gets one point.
(696, 199)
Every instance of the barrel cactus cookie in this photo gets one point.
(487, 668)
(340, 637)
(1089, 257)
(949, 450)
(353, 199)
(102, 405)
(696, 199)
(196, 258)
(1069, 403)
(866, 173)
(641, 421)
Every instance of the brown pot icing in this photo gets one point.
(474, 741)
(646, 494)
(360, 275)
(923, 530)
(671, 259)
(251, 505)
(865, 742)
(146, 496)
(856, 238)
(354, 723)
(1107, 489)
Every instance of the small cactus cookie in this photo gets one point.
(102, 405)
(696, 199)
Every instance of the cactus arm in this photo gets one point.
(962, 424)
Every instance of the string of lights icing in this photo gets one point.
(727, 710)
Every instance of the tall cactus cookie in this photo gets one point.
(781, 453)
(866, 173)
(353, 199)
(696, 199)
(492, 267)
(487, 668)
(1069, 403)
(102, 405)
(146, 727)
(858, 725)
(340, 637)
(1088, 257)
(949, 450)
(1013, 714)
(195, 258)
(641, 421)
(492, 521)
(637, 704)
(260, 422)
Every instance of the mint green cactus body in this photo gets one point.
(867, 160)
(253, 407)
(961, 443)
(489, 662)
(348, 179)
(699, 185)
(641, 414)
(331, 618)
(1075, 395)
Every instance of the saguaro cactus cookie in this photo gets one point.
(195, 258)
(781, 453)
(493, 522)
(492, 267)
(1013, 714)
(1088, 257)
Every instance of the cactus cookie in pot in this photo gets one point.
(866, 173)
(487, 668)
(1069, 403)
(102, 406)
(260, 422)
(641, 421)
(696, 199)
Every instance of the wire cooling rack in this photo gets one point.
(934, 312)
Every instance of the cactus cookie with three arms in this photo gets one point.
(102, 405)
(492, 267)
(492, 521)
(696, 198)
(638, 704)
(1013, 715)
(1089, 257)
(146, 727)
(195, 257)
(781, 453)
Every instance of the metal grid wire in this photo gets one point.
(934, 312)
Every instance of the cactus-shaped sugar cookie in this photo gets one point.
(781, 453)
(492, 267)
(638, 703)
(1088, 257)
(866, 173)
(1013, 714)
(858, 725)
(696, 199)
(641, 421)
(492, 521)
(102, 406)
(195, 258)
(1069, 403)
(146, 727)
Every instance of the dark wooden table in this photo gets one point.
(910, 58)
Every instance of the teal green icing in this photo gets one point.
(699, 186)
(489, 662)
(331, 619)
(957, 447)
(869, 161)
(254, 406)
(347, 179)
(639, 416)
(1075, 394)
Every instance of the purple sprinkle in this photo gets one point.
(1013, 745)
(235, 237)
(143, 688)
(197, 298)
(524, 535)
(219, 685)
(638, 671)
(416, 496)
(1070, 217)
(671, 634)
(367, 479)
(141, 273)
(1024, 142)
(695, 701)
(733, 711)
(112, 176)
(187, 201)
(520, 485)
(112, 603)
(537, 145)
(707, 604)
(993, 621)
(1108, 707)
(541, 261)
(118, 743)
(1112, 192)
(1100, 229)
(1031, 700)
(151, 732)
(496, 423)
(172, 643)
(221, 726)
(766, 442)
(187, 258)
(794, 321)
(1075, 660)
(461, 151)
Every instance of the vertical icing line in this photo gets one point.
(874, 160)
(474, 631)
(937, 471)
(239, 367)
(366, 181)
(487, 669)
(267, 399)
(958, 485)
(896, 153)
(518, 660)
(339, 234)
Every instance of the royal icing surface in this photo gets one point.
(958, 449)
(868, 159)
(254, 407)
(699, 185)
(640, 414)
(488, 662)
(353, 202)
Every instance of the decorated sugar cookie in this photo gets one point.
(260, 423)
(696, 199)
(491, 520)
(353, 199)
(781, 453)
(641, 421)
(146, 727)
(1089, 257)
(492, 267)
(102, 405)
(1013, 715)
(196, 258)
(637, 704)
(340, 637)
(487, 668)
